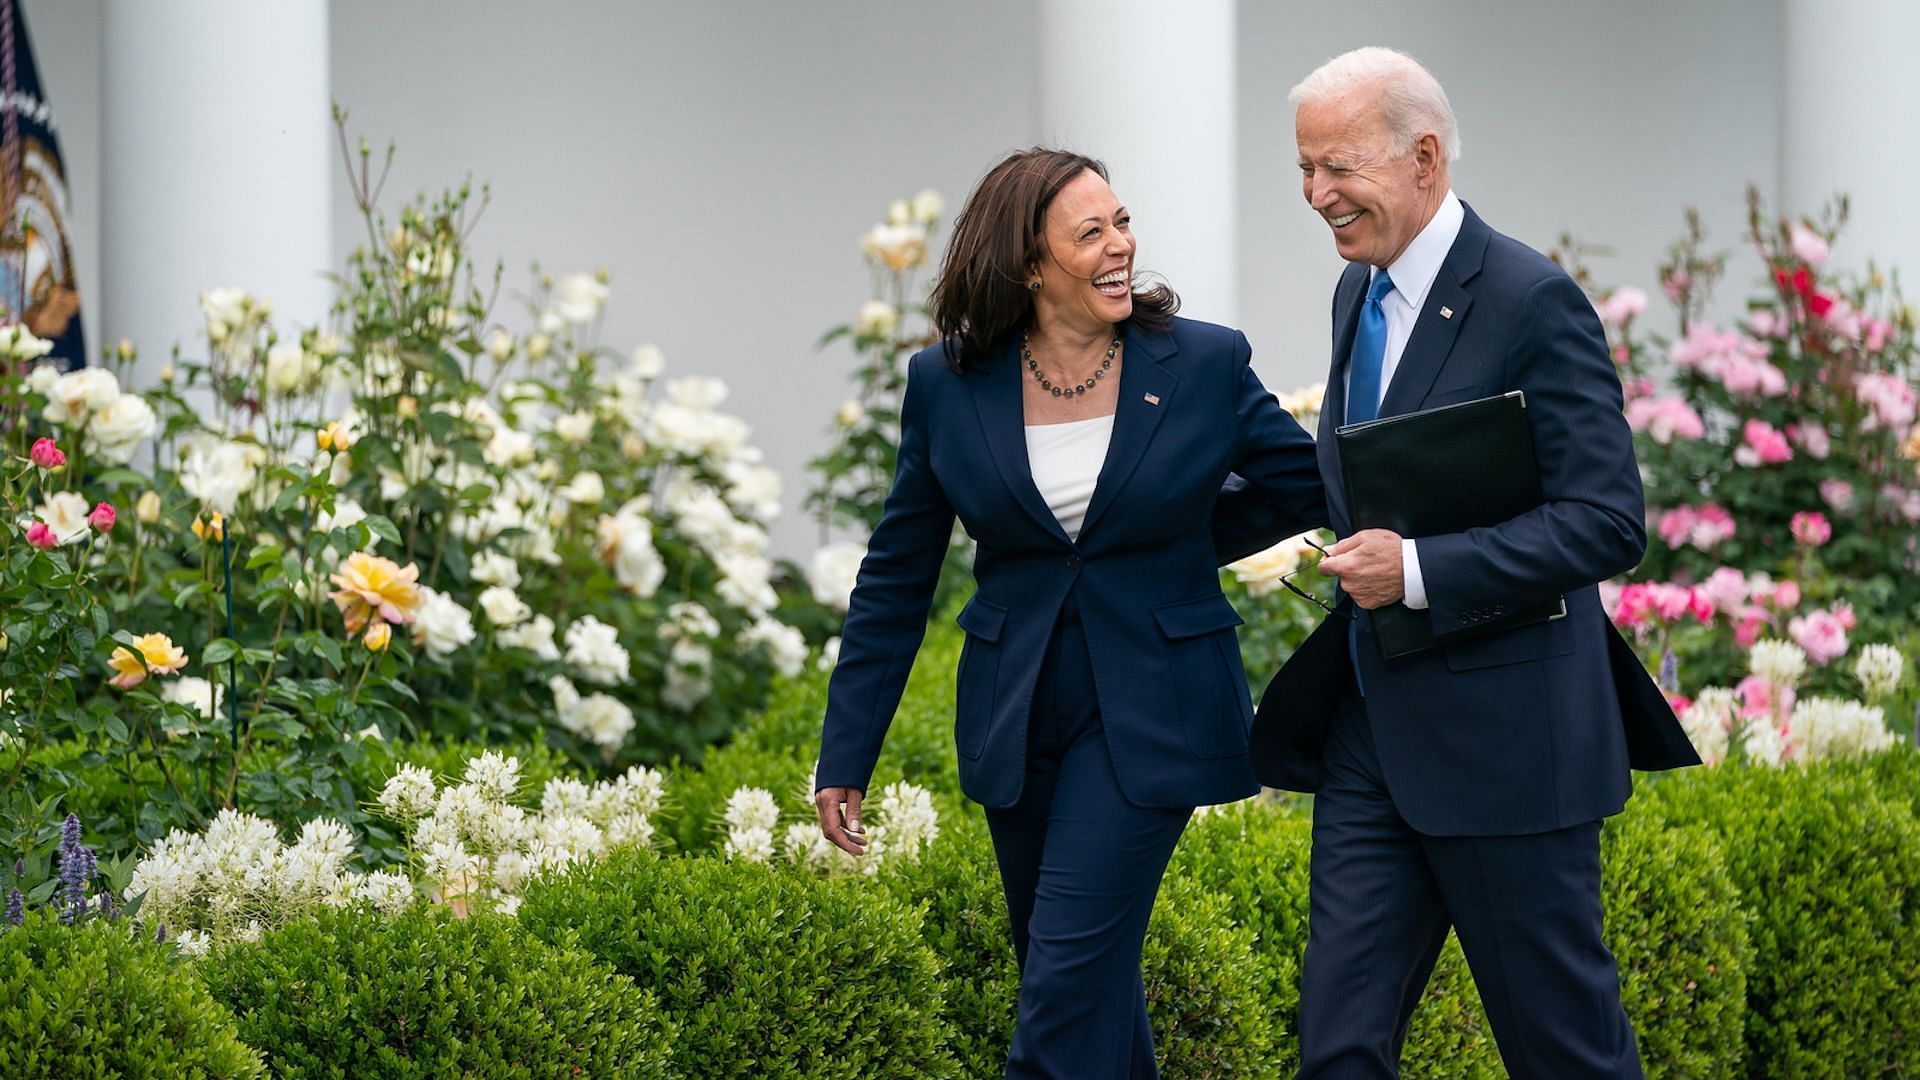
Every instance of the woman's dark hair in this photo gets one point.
(998, 237)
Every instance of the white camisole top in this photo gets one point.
(1066, 460)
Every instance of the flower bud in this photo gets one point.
(41, 536)
(102, 517)
(333, 437)
(125, 350)
(210, 528)
(166, 374)
(147, 509)
(537, 346)
(408, 406)
(46, 454)
(378, 637)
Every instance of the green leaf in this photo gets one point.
(219, 651)
(383, 527)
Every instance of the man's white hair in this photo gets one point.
(1411, 99)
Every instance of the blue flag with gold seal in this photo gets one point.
(37, 278)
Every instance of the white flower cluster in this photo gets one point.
(475, 847)
(89, 402)
(1879, 669)
(239, 878)
(1709, 723)
(1817, 729)
(899, 827)
(833, 571)
(1780, 663)
(688, 630)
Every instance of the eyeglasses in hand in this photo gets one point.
(1304, 594)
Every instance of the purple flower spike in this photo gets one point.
(16, 908)
(1670, 673)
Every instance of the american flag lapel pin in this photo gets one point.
(1446, 312)
(1153, 399)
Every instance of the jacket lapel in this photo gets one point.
(1146, 393)
(996, 396)
(1348, 296)
(1434, 332)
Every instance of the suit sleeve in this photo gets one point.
(1592, 524)
(1276, 458)
(887, 617)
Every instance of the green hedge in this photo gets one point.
(766, 971)
(96, 1000)
(1829, 866)
(353, 993)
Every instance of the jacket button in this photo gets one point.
(1073, 562)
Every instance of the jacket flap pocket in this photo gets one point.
(1536, 642)
(1191, 618)
(982, 619)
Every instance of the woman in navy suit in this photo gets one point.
(1081, 434)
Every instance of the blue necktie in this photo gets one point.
(1363, 404)
(1369, 354)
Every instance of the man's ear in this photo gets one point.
(1426, 158)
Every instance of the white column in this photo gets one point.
(1149, 88)
(1847, 121)
(218, 161)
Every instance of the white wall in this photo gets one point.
(723, 158)
(1603, 120)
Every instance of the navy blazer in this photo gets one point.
(1172, 694)
(1526, 730)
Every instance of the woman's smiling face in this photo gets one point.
(1086, 274)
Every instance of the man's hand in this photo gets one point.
(1368, 566)
(839, 809)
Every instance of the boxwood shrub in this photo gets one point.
(766, 971)
(1829, 866)
(99, 1000)
(354, 993)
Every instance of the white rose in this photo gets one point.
(19, 343)
(493, 568)
(585, 489)
(225, 307)
(508, 447)
(78, 394)
(1261, 572)
(786, 647)
(218, 472)
(745, 582)
(649, 361)
(684, 690)
(536, 637)
(595, 652)
(441, 624)
(599, 719)
(699, 393)
(346, 514)
(877, 319)
(500, 346)
(41, 379)
(116, 431)
(754, 490)
(626, 544)
(503, 606)
(287, 367)
(830, 653)
(896, 246)
(579, 297)
(575, 428)
(203, 697)
(65, 512)
(851, 413)
(928, 206)
(833, 571)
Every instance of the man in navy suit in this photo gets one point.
(1462, 786)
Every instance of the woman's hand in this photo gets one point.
(839, 809)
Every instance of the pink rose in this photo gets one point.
(1889, 399)
(1810, 528)
(1821, 633)
(1767, 323)
(1753, 622)
(1844, 612)
(1837, 494)
(1634, 606)
(1621, 305)
(1726, 589)
(1664, 419)
(1812, 438)
(46, 454)
(1807, 245)
(1636, 388)
(1676, 285)
(101, 518)
(1756, 696)
(1700, 605)
(1905, 501)
(1712, 526)
(1676, 525)
(1762, 444)
(1878, 333)
(41, 535)
(1745, 377)
(1669, 601)
(1786, 596)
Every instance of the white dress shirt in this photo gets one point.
(1066, 460)
(1413, 273)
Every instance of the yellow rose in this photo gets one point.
(158, 655)
(213, 528)
(371, 586)
(333, 437)
(148, 508)
(379, 636)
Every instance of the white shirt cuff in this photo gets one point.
(1415, 587)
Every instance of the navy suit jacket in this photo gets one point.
(1525, 730)
(1172, 693)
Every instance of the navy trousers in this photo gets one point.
(1527, 909)
(1080, 866)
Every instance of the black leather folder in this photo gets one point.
(1440, 471)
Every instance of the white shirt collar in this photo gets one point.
(1413, 272)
